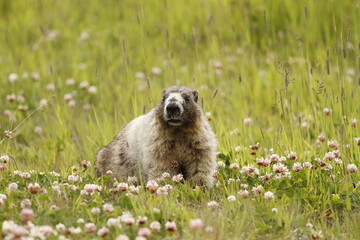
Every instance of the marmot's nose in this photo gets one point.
(173, 110)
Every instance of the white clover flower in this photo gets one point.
(269, 196)
(231, 198)
(351, 168)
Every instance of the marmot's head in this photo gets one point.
(179, 107)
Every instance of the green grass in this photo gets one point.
(283, 62)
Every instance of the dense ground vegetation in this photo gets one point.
(278, 80)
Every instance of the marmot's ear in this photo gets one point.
(196, 95)
(163, 91)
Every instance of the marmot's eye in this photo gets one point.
(163, 99)
(187, 99)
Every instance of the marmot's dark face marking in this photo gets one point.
(179, 106)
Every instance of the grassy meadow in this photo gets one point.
(278, 80)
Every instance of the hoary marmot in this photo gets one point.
(174, 137)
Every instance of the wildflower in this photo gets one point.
(13, 77)
(91, 188)
(274, 158)
(274, 210)
(108, 207)
(140, 238)
(254, 147)
(208, 116)
(80, 221)
(26, 214)
(162, 191)
(23, 108)
(8, 134)
(333, 144)
(109, 173)
(122, 237)
(4, 159)
(327, 111)
(50, 87)
(282, 159)
(86, 164)
(234, 132)
(92, 90)
(152, 186)
(178, 178)
(74, 231)
(266, 177)
(220, 164)
(156, 71)
(95, 210)
(249, 170)
(70, 82)
(84, 85)
(122, 187)
(34, 188)
(84, 36)
(280, 168)
(140, 75)
(216, 64)
(247, 121)
(244, 186)
(351, 168)
(321, 137)
(54, 207)
(71, 103)
(60, 227)
(307, 165)
(68, 97)
(73, 178)
(231, 198)
(144, 232)
(165, 175)
(237, 149)
(336, 153)
(257, 190)
(10, 97)
(329, 156)
(134, 190)
(170, 226)
(20, 99)
(127, 219)
(297, 167)
(196, 224)
(263, 162)
(25, 175)
(13, 186)
(269, 196)
(155, 226)
(142, 220)
(38, 130)
(338, 161)
(292, 156)
(2, 167)
(353, 122)
(26, 203)
(90, 228)
(357, 140)
(35, 76)
(315, 234)
(103, 232)
(213, 204)
(234, 166)
(111, 222)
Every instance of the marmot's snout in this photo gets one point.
(173, 109)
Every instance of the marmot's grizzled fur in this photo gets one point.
(173, 137)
